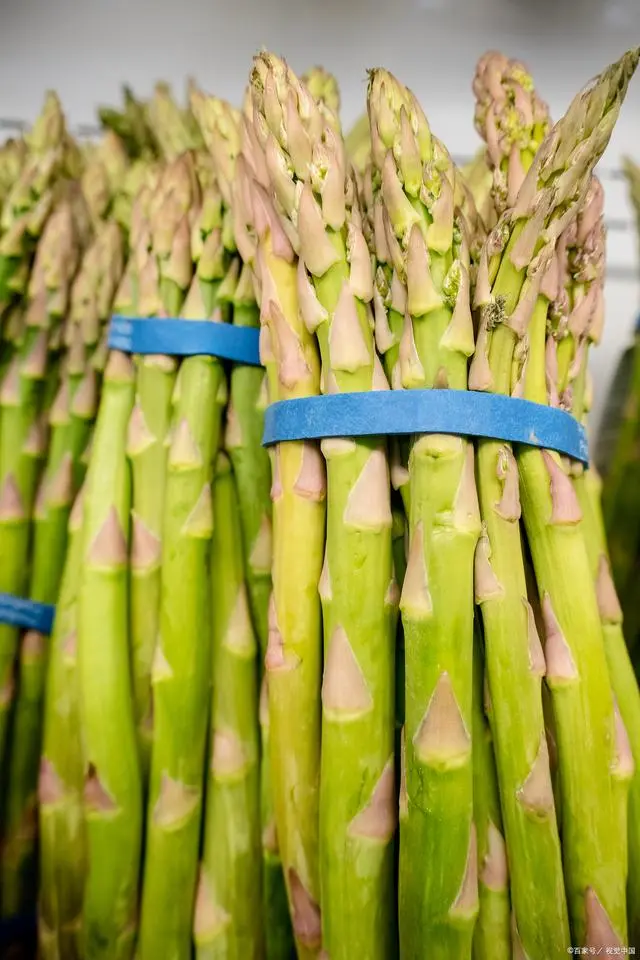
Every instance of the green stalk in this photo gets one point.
(357, 779)
(623, 679)
(587, 270)
(358, 815)
(595, 852)
(51, 518)
(243, 441)
(71, 416)
(181, 666)
(163, 274)
(278, 933)
(146, 449)
(62, 829)
(252, 472)
(620, 766)
(230, 874)
(220, 126)
(514, 668)
(113, 788)
(594, 860)
(31, 199)
(293, 659)
(438, 899)
(28, 387)
(492, 934)
(389, 298)
(293, 664)
(399, 549)
(21, 450)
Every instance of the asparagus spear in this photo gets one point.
(623, 679)
(23, 428)
(513, 662)
(103, 175)
(131, 125)
(324, 89)
(174, 129)
(13, 155)
(514, 262)
(492, 934)
(399, 535)
(293, 657)
(51, 518)
(585, 286)
(243, 441)
(220, 126)
(357, 784)
(425, 236)
(388, 300)
(162, 248)
(230, 872)
(181, 666)
(51, 155)
(62, 836)
(478, 178)
(113, 787)
(358, 144)
(62, 829)
(245, 420)
(70, 418)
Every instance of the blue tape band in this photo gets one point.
(26, 613)
(185, 338)
(462, 412)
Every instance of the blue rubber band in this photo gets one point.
(461, 412)
(185, 338)
(27, 614)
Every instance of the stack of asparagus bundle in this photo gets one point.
(65, 220)
(61, 259)
(153, 600)
(363, 696)
(540, 573)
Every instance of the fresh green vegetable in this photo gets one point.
(427, 247)
(293, 659)
(510, 276)
(182, 659)
(335, 283)
(62, 829)
(230, 875)
(113, 783)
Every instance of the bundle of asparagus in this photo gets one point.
(307, 176)
(221, 129)
(51, 367)
(296, 199)
(136, 594)
(191, 800)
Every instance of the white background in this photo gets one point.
(85, 48)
